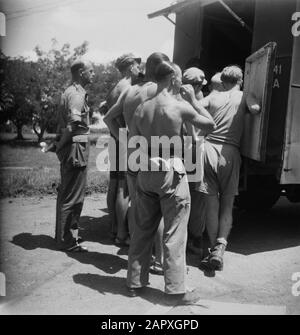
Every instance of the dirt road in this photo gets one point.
(264, 253)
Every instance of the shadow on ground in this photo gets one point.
(253, 232)
(261, 231)
(107, 263)
(275, 229)
(30, 242)
(115, 285)
(96, 229)
(92, 229)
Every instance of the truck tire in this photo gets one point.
(293, 193)
(262, 193)
(293, 198)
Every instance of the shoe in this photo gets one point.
(216, 256)
(205, 264)
(77, 248)
(188, 298)
(134, 292)
(156, 269)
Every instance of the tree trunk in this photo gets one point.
(19, 132)
(34, 127)
(41, 133)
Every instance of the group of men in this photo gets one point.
(160, 200)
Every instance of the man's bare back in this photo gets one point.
(160, 116)
(114, 94)
(136, 95)
(164, 115)
(122, 86)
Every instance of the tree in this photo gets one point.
(18, 79)
(54, 77)
(106, 76)
(44, 115)
(6, 99)
(31, 90)
(56, 66)
(6, 103)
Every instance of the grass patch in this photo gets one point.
(26, 171)
(28, 182)
(44, 181)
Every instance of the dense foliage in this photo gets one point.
(30, 91)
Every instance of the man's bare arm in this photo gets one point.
(188, 94)
(110, 119)
(205, 102)
(114, 126)
(199, 121)
(194, 112)
(191, 131)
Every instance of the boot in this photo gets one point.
(216, 256)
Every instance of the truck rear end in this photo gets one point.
(219, 33)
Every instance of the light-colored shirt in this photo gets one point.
(74, 111)
(227, 110)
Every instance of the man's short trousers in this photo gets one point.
(114, 162)
(221, 169)
(119, 175)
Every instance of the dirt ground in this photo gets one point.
(264, 253)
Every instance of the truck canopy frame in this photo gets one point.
(176, 8)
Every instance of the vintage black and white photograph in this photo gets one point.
(150, 159)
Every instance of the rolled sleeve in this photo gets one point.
(75, 106)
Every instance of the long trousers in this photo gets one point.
(163, 193)
(70, 202)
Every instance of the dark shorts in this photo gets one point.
(116, 174)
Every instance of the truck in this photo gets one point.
(262, 37)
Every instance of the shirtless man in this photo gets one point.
(165, 191)
(125, 106)
(117, 199)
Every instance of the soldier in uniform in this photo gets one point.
(72, 150)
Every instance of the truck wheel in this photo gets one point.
(262, 193)
(293, 193)
(293, 198)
